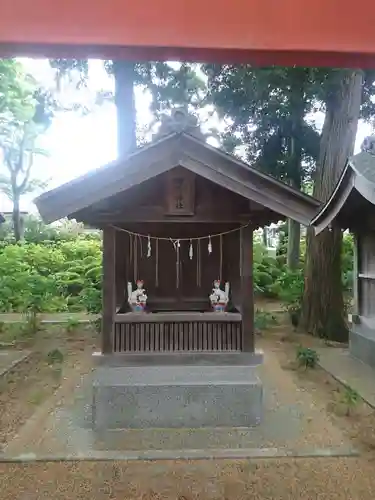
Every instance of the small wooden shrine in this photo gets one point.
(177, 217)
(352, 206)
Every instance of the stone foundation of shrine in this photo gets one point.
(177, 391)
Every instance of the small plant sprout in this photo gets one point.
(307, 357)
(351, 399)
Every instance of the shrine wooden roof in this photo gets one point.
(352, 202)
(177, 149)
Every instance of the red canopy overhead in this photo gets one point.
(306, 32)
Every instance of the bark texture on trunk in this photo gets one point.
(16, 217)
(298, 102)
(124, 74)
(264, 236)
(323, 306)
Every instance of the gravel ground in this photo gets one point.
(323, 479)
(293, 420)
(279, 479)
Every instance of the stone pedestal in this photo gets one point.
(169, 391)
(362, 342)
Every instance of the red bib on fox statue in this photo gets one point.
(219, 298)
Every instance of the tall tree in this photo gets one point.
(170, 85)
(18, 144)
(266, 109)
(124, 73)
(323, 307)
(173, 85)
(25, 111)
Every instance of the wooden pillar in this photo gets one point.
(247, 289)
(122, 246)
(109, 288)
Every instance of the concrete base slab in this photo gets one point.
(349, 371)
(212, 454)
(188, 396)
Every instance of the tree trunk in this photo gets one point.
(298, 105)
(125, 105)
(16, 216)
(294, 237)
(323, 305)
(264, 236)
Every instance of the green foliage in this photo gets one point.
(263, 320)
(57, 271)
(35, 231)
(25, 113)
(92, 300)
(32, 324)
(16, 90)
(291, 285)
(266, 110)
(72, 325)
(55, 356)
(351, 399)
(51, 277)
(347, 262)
(307, 357)
(273, 279)
(266, 272)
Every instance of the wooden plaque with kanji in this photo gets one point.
(180, 192)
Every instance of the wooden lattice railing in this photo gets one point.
(172, 336)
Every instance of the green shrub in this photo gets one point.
(72, 325)
(58, 270)
(91, 298)
(291, 285)
(307, 357)
(263, 320)
(347, 262)
(262, 278)
(351, 399)
(44, 277)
